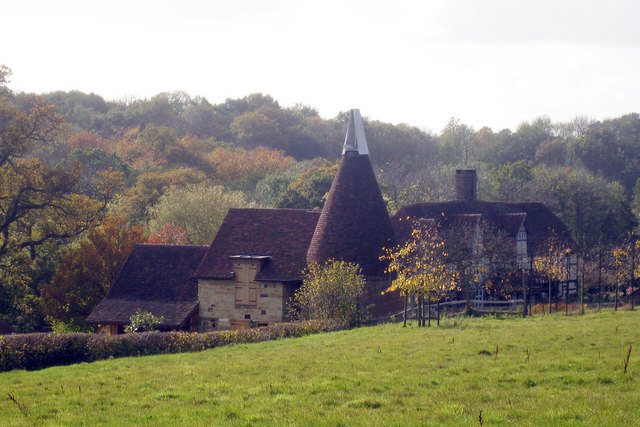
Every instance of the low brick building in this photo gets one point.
(157, 279)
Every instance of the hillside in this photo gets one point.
(536, 371)
(86, 178)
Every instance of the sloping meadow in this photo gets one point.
(545, 370)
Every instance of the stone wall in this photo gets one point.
(218, 304)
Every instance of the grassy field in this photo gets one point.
(547, 370)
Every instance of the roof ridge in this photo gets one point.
(168, 245)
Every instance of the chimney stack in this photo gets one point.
(466, 185)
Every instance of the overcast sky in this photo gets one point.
(491, 63)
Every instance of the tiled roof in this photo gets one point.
(511, 222)
(354, 225)
(281, 234)
(540, 221)
(155, 278)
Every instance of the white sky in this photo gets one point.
(491, 63)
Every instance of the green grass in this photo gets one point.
(384, 375)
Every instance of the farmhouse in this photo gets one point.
(249, 273)
(527, 226)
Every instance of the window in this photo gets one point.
(521, 246)
(246, 288)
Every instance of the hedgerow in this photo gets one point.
(41, 350)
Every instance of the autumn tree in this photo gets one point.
(627, 266)
(476, 251)
(236, 165)
(170, 235)
(420, 268)
(38, 202)
(87, 270)
(87, 140)
(147, 148)
(551, 262)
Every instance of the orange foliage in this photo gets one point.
(88, 140)
(196, 146)
(238, 164)
(88, 269)
(170, 235)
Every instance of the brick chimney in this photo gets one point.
(466, 184)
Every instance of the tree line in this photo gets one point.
(82, 179)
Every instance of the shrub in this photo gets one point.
(143, 321)
(37, 351)
(541, 308)
(332, 292)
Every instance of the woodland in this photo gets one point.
(83, 179)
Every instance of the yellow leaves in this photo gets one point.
(420, 265)
(552, 261)
(109, 182)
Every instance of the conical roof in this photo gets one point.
(354, 224)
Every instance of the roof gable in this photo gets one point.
(155, 278)
(281, 234)
(511, 222)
